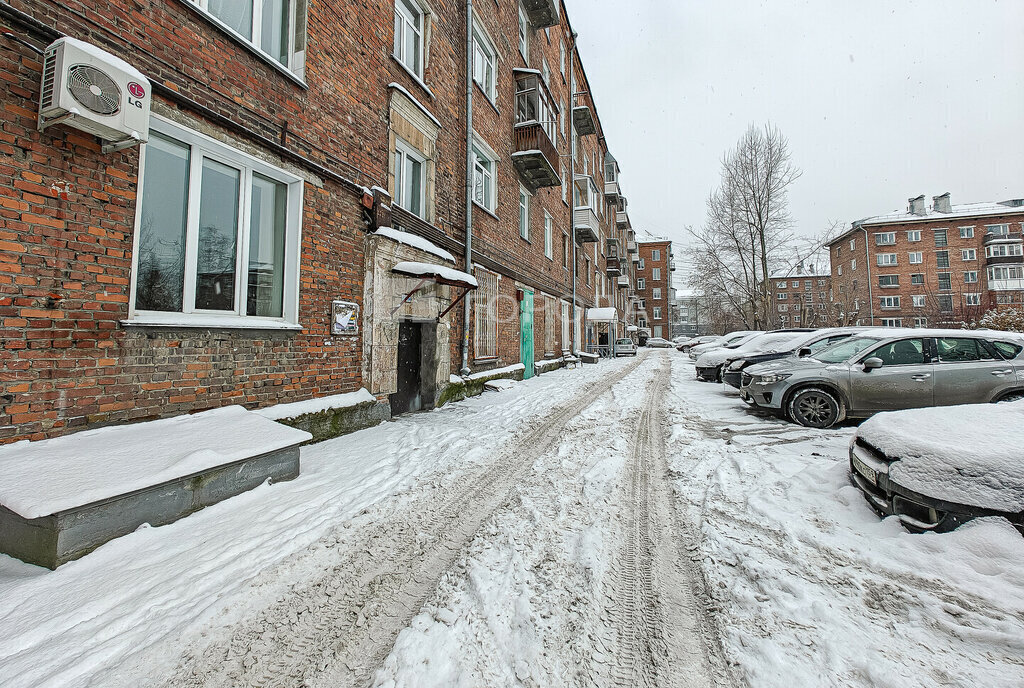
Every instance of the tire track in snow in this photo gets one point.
(337, 629)
(657, 628)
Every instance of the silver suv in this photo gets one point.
(888, 370)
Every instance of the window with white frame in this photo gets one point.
(887, 259)
(971, 277)
(562, 115)
(972, 299)
(853, 244)
(783, 296)
(1005, 272)
(565, 250)
(656, 315)
(918, 301)
(783, 308)
(916, 258)
(967, 232)
(853, 264)
(524, 34)
(545, 71)
(656, 293)
(641, 263)
(655, 254)
(524, 213)
(276, 28)
(969, 253)
(920, 322)
(888, 280)
(641, 284)
(892, 322)
(485, 314)
(483, 179)
(548, 228)
(656, 274)
(410, 173)
(917, 278)
(997, 230)
(409, 31)
(565, 185)
(217, 231)
(1002, 250)
(890, 302)
(914, 235)
(485, 59)
(839, 270)
(561, 56)
(885, 239)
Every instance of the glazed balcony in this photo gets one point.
(586, 223)
(611, 189)
(623, 282)
(583, 114)
(541, 13)
(1003, 238)
(614, 247)
(622, 219)
(535, 156)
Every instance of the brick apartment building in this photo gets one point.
(932, 265)
(653, 285)
(245, 255)
(802, 297)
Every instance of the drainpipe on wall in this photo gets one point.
(572, 189)
(867, 261)
(466, 307)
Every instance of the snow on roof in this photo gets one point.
(441, 272)
(966, 454)
(44, 477)
(301, 408)
(602, 314)
(963, 210)
(100, 54)
(415, 241)
(401, 89)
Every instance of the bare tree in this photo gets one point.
(746, 228)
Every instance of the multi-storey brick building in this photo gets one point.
(802, 298)
(653, 282)
(939, 265)
(245, 253)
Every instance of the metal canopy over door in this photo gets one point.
(410, 353)
(526, 333)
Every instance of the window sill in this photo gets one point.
(486, 210)
(243, 42)
(226, 322)
(415, 77)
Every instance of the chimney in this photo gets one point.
(1013, 202)
(917, 205)
(942, 204)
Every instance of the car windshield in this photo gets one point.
(623, 341)
(845, 350)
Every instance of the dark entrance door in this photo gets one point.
(410, 356)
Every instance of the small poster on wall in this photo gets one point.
(344, 318)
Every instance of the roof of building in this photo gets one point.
(957, 212)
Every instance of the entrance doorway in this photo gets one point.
(526, 333)
(417, 367)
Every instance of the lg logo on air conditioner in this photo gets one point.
(138, 91)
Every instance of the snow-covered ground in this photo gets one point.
(617, 524)
(810, 586)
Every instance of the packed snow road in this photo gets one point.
(617, 525)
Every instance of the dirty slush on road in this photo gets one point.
(560, 562)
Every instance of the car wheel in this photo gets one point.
(814, 407)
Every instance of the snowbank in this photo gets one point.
(416, 242)
(301, 408)
(41, 478)
(967, 454)
(497, 372)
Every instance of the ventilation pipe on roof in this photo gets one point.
(942, 203)
(917, 206)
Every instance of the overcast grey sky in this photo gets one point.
(880, 101)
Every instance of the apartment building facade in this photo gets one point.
(934, 265)
(653, 284)
(268, 242)
(802, 297)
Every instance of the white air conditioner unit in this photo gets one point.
(90, 89)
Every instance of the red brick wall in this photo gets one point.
(646, 273)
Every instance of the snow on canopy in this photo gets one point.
(968, 454)
(416, 242)
(438, 272)
(44, 477)
(602, 314)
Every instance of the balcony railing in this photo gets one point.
(631, 247)
(622, 218)
(999, 238)
(541, 13)
(613, 266)
(623, 282)
(583, 114)
(614, 247)
(585, 225)
(611, 189)
(535, 156)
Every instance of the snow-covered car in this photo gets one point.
(890, 370)
(732, 339)
(689, 343)
(659, 343)
(625, 347)
(813, 342)
(709, 364)
(937, 468)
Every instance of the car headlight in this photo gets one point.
(772, 378)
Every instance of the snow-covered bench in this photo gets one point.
(62, 498)
(588, 357)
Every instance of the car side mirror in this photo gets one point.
(872, 363)
(804, 352)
